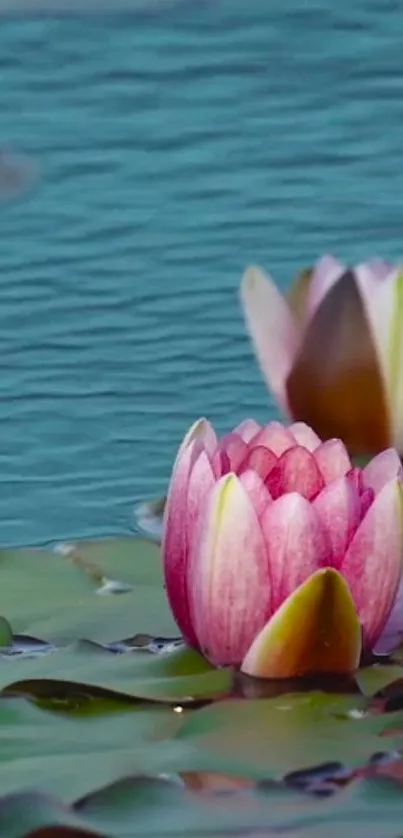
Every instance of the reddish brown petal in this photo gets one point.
(335, 384)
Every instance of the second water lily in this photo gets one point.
(332, 353)
(279, 556)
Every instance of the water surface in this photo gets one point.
(175, 147)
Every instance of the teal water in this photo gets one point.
(174, 148)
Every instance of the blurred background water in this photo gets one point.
(175, 144)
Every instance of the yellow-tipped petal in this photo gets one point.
(316, 630)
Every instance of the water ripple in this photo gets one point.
(175, 147)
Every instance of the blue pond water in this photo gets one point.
(174, 148)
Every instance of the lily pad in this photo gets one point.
(161, 806)
(180, 677)
(55, 596)
(373, 679)
(104, 723)
(272, 737)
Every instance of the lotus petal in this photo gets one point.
(332, 459)
(221, 462)
(248, 429)
(373, 562)
(260, 459)
(175, 539)
(315, 630)
(356, 479)
(382, 468)
(272, 328)
(339, 508)
(383, 304)
(257, 491)
(392, 634)
(201, 480)
(203, 431)
(296, 471)
(304, 435)
(297, 544)
(229, 585)
(367, 498)
(275, 437)
(298, 295)
(236, 448)
(336, 379)
(200, 437)
(325, 273)
(380, 268)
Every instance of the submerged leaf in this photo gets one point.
(6, 634)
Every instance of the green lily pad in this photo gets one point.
(6, 634)
(70, 756)
(58, 598)
(271, 737)
(156, 806)
(179, 677)
(55, 596)
(373, 679)
(104, 723)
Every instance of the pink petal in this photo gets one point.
(236, 448)
(221, 463)
(261, 460)
(203, 431)
(257, 491)
(382, 468)
(304, 435)
(201, 481)
(175, 541)
(354, 475)
(275, 437)
(332, 459)
(296, 471)
(272, 328)
(247, 429)
(380, 268)
(372, 565)
(392, 634)
(200, 437)
(339, 508)
(229, 583)
(326, 272)
(366, 500)
(297, 544)
(381, 301)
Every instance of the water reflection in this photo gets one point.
(17, 174)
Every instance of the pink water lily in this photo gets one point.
(332, 354)
(279, 555)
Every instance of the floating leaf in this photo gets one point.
(6, 634)
(180, 677)
(53, 596)
(71, 755)
(373, 679)
(272, 737)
